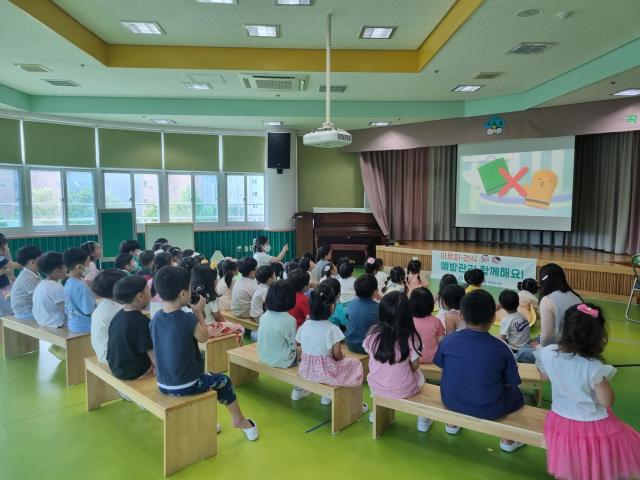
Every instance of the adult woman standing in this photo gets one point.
(556, 297)
(261, 249)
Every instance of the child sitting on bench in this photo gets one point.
(175, 334)
(479, 373)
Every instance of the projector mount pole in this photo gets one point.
(327, 120)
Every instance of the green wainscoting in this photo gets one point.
(232, 243)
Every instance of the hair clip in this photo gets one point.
(414, 258)
(213, 264)
(327, 267)
(592, 312)
(371, 260)
(545, 277)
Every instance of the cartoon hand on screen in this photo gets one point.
(540, 192)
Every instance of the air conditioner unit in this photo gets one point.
(275, 83)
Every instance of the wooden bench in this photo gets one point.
(215, 352)
(22, 336)
(189, 422)
(247, 323)
(346, 405)
(529, 374)
(526, 425)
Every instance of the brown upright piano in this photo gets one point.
(340, 228)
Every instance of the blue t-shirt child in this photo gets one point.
(79, 304)
(339, 315)
(479, 375)
(178, 360)
(362, 313)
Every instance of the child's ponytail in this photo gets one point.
(320, 302)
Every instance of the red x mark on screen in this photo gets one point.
(512, 182)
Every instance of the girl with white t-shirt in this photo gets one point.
(203, 282)
(556, 296)
(322, 360)
(347, 282)
(94, 249)
(228, 270)
(584, 438)
(261, 249)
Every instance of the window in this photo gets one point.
(80, 198)
(46, 198)
(206, 198)
(245, 198)
(180, 207)
(10, 198)
(147, 193)
(117, 190)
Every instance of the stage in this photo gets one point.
(590, 273)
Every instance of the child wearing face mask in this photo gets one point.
(79, 302)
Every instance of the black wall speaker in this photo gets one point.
(278, 150)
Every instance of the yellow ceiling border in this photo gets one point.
(235, 58)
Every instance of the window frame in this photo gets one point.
(22, 200)
(245, 223)
(65, 227)
(198, 225)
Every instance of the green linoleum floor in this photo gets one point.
(46, 432)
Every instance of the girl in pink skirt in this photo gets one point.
(322, 358)
(585, 440)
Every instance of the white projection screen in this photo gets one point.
(524, 184)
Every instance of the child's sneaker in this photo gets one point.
(252, 433)
(424, 424)
(58, 352)
(451, 429)
(365, 408)
(324, 400)
(510, 447)
(297, 393)
(218, 428)
(372, 417)
(254, 336)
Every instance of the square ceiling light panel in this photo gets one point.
(143, 28)
(271, 31)
(383, 33)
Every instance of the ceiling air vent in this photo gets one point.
(531, 48)
(62, 83)
(487, 75)
(334, 88)
(32, 67)
(277, 83)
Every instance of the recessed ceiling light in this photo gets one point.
(531, 48)
(529, 12)
(32, 67)
(379, 124)
(226, 2)
(301, 3)
(263, 30)
(377, 32)
(163, 121)
(197, 85)
(145, 28)
(272, 123)
(467, 88)
(62, 83)
(629, 92)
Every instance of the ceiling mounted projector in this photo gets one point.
(327, 136)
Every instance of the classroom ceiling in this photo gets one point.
(595, 32)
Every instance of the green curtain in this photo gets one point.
(244, 153)
(59, 145)
(191, 152)
(10, 141)
(130, 149)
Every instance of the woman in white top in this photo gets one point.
(584, 438)
(261, 249)
(556, 297)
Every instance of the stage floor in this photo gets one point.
(592, 273)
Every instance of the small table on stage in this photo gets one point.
(350, 247)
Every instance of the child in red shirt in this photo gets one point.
(300, 281)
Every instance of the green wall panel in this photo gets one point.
(232, 243)
(191, 152)
(130, 149)
(244, 153)
(59, 145)
(10, 141)
(328, 178)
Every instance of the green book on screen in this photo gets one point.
(490, 175)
